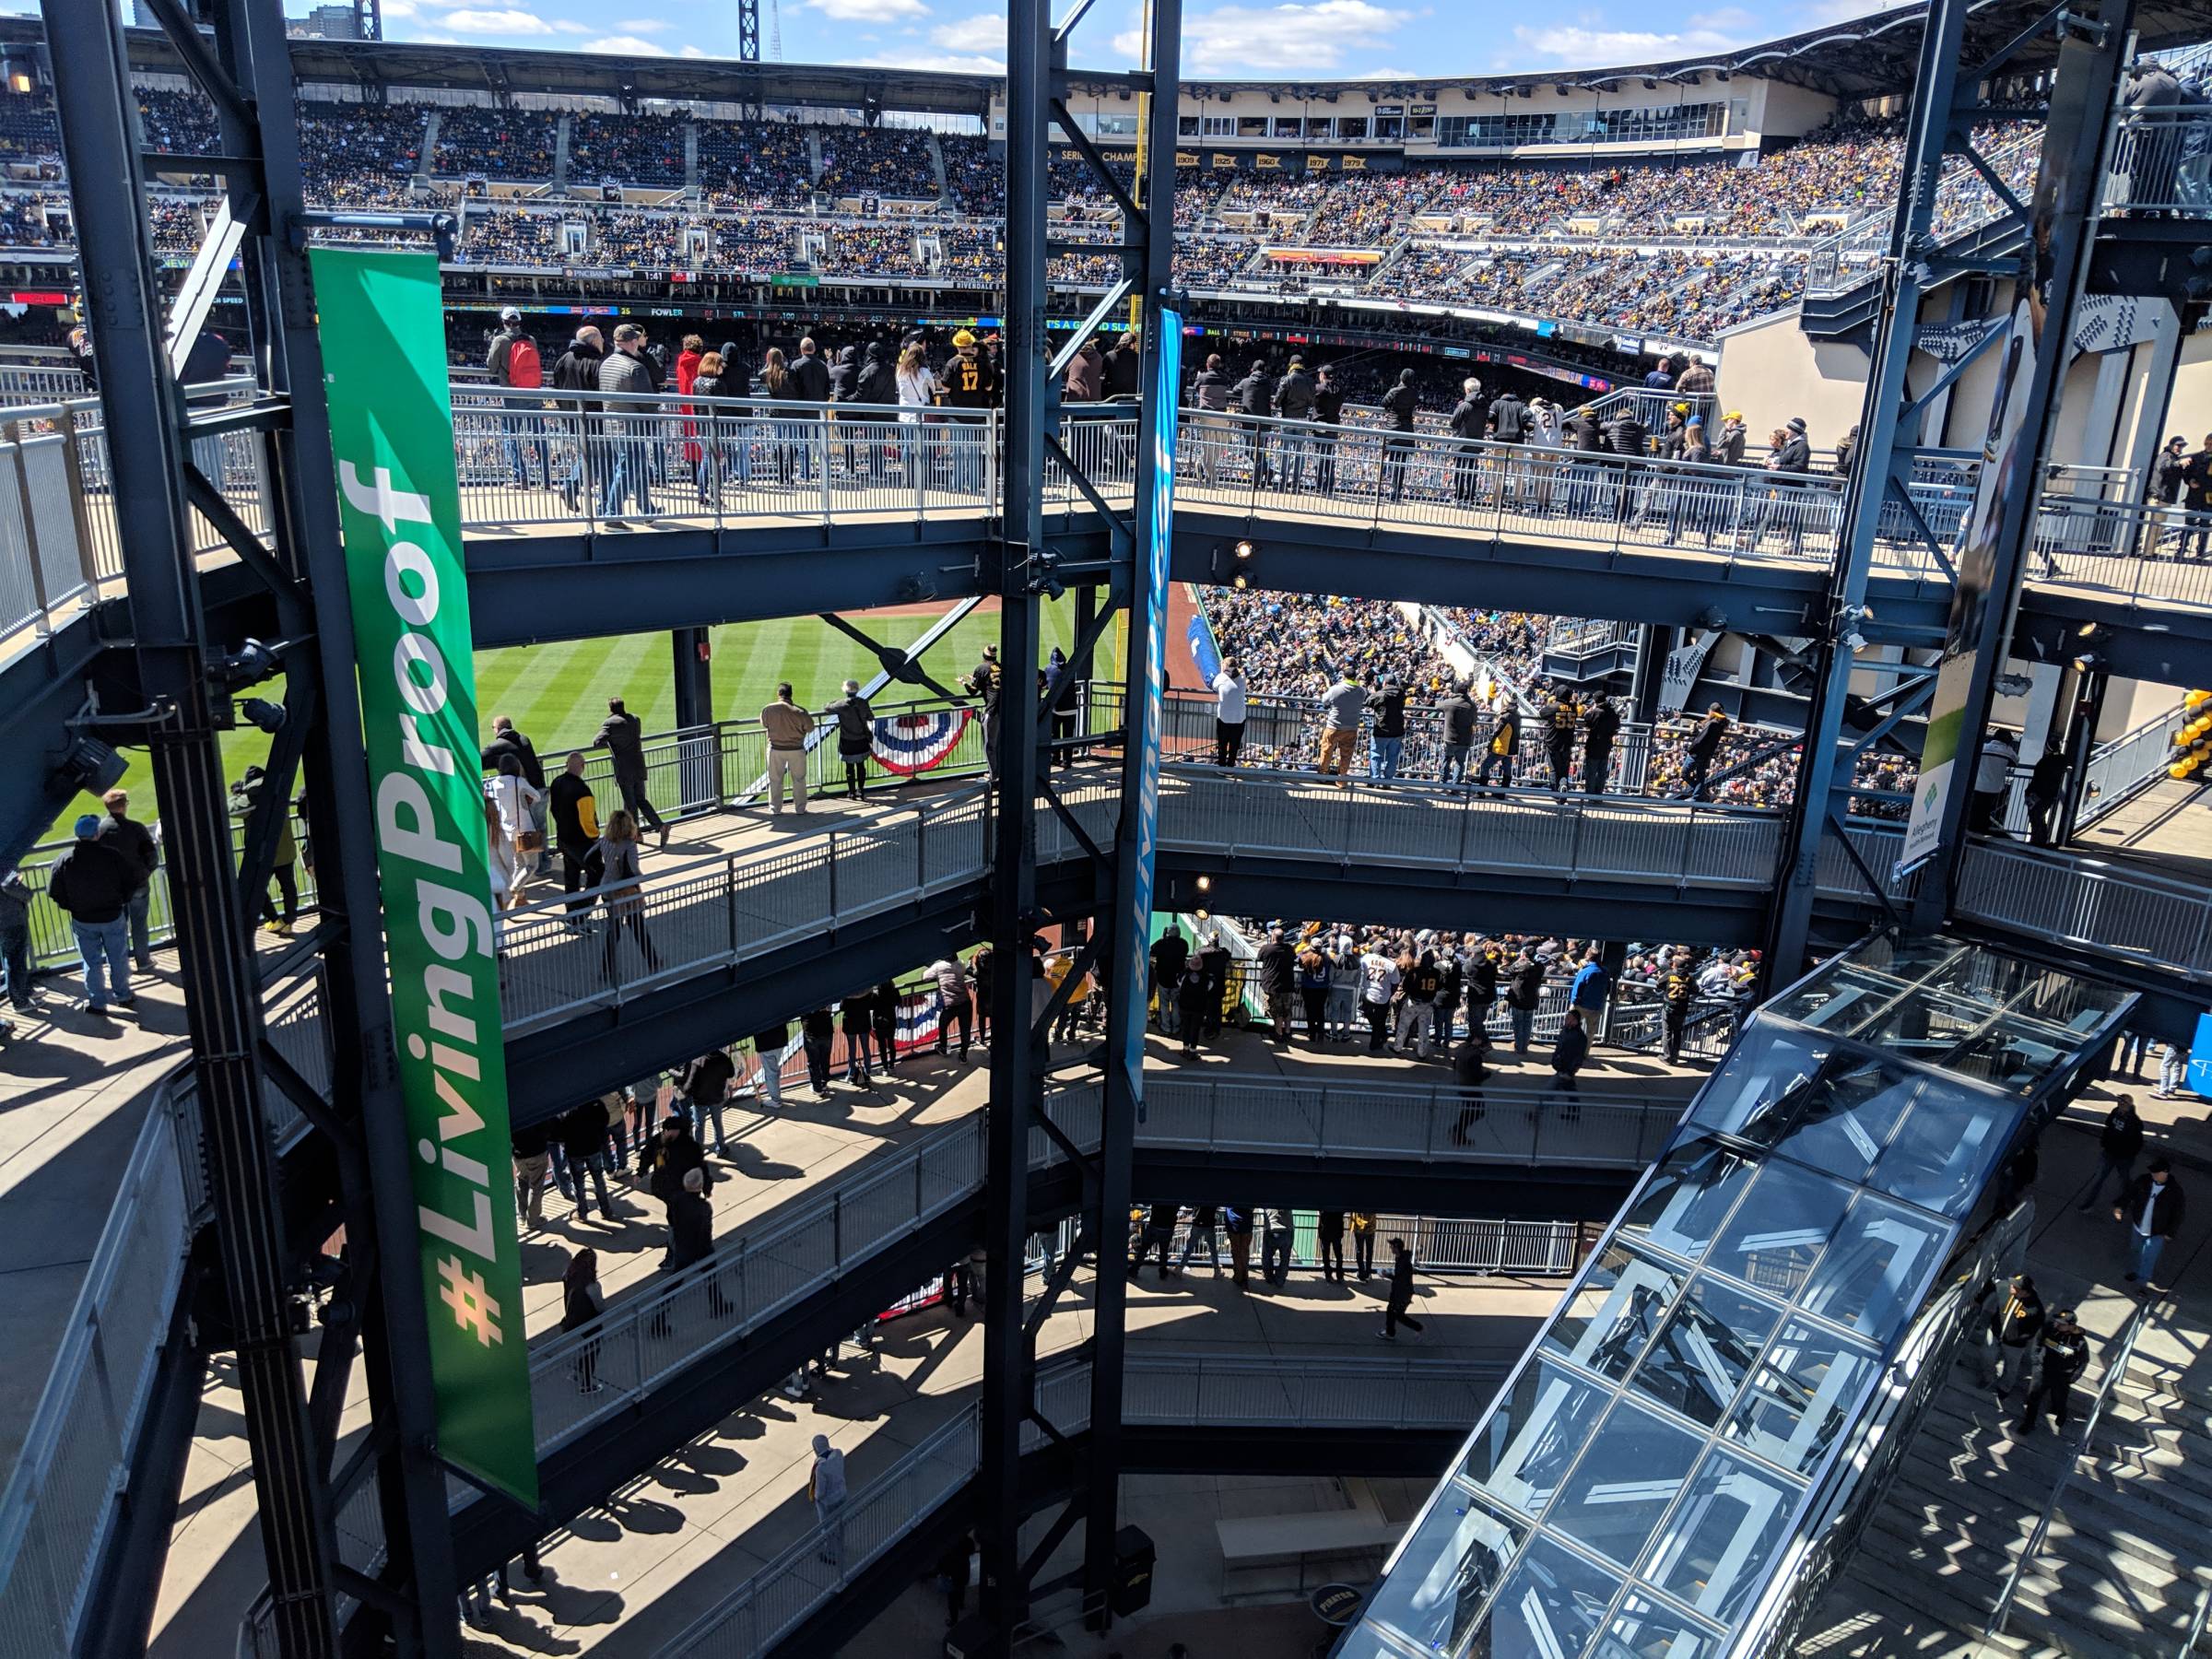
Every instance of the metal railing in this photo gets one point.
(1158, 1389)
(70, 1477)
(1432, 1122)
(2118, 1353)
(2161, 163)
(2195, 1632)
(1246, 812)
(2069, 897)
(580, 1378)
(1964, 203)
(2121, 769)
(606, 945)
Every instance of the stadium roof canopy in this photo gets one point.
(1859, 58)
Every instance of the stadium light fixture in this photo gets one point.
(1205, 884)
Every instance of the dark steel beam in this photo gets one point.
(97, 113)
(250, 39)
(1009, 1380)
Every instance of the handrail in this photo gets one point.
(2115, 1367)
(2196, 1622)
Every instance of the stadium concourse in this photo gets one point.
(1553, 1121)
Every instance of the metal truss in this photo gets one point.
(1029, 569)
(243, 65)
(1948, 100)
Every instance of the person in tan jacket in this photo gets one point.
(787, 726)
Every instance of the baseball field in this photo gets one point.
(557, 693)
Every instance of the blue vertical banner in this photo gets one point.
(1137, 926)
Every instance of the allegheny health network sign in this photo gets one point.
(382, 328)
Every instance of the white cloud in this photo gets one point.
(1308, 39)
(503, 22)
(985, 33)
(626, 46)
(565, 25)
(693, 52)
(870, 11)
(1588, 45)
(951, 64)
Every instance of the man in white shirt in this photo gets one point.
(1229, 714)
(1341, 706)
(1993, 776)
(1378, 984)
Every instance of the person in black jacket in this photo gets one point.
(1159, 1234)
(855, 739)
(1252, 395)
(2165, 491)
(810, 375)
(2060, 1356)
(1470, 420)
(1523, 995)
(1457, 714)
(1569, 1052)
(1293, 402)
(1212, 392)
(1401, 403)
(768, 1044)
(573, 811)
(1124, 365)
(1170, 953)
(2016, 1321)
(1508, 423)
(1704, 745)
(580, 1144)
(668, 1156)
(1601, 725)
(691, 1238)
(1561, 718)
(1630, 442)
(622, 734)
(136, 843)
(2118, 1144)
(1394, 1311)
(1469, 1073)
(706, 1088)
(2153, 1211)
(580, 1310)
(817, 1030)
(884, 1023)
(506, 740)
(1328, 415)
(1276, 963)
(93, 881)
(1389, 745)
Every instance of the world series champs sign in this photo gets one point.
(382, 324)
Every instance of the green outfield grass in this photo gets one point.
(557, 694)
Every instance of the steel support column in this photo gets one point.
(411, 1482)
(144, 414)
(1008, 1377)
(2061, 230)
(694, 678)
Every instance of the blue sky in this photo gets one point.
(1225, 38)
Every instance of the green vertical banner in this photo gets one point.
(383, 327)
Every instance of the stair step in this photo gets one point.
(1861, 1617)
(2040, 1456)
(1985, 1546)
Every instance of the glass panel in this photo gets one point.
(1872, 1275)
(1524, 1448)
(1645, 1628)
(1548, 1608)
(1940, 1158)
(1703, 1356)
(1607, 1323)
(1636, 1463)
(1841, 1123)
(1777, 1233)
(1806, 1383)
(1769, 1063)
(1722, 1536)
(1446, 1571)
(1688, 1197)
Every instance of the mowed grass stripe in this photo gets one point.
(557, 693)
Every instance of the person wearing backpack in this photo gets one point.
(515, 364)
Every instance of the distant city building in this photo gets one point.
(327, 23)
